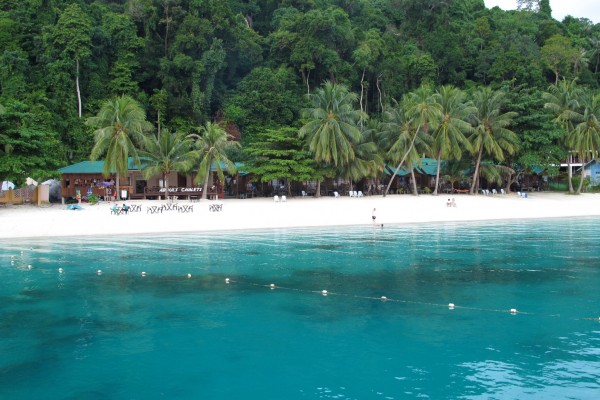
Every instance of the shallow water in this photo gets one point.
(120, 335)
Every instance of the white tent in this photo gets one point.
(7, 185)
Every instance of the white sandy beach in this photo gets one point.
(23, 221)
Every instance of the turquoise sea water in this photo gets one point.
(120, 335)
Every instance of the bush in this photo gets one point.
(92, 199)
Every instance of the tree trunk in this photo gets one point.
(582, 176)
(414, 181)
(362, 90)
(380, 95)
(437, 175)
(318, 192)
(476, 174)
(77, 88)
(118, 186)
(166, 186)
(570, 173)
(412, 143)
(205, 187)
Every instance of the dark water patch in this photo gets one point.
(252, 253)
(99, 394)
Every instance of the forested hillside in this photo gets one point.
(248, 65)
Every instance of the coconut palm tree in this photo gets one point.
(120, 125)
(448, 139)
(167, 153)
(331, 130)
(561, 99)
(585, 137)
(490, 134)
(212, 144)
(410, 125)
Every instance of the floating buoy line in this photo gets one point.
(383, 298)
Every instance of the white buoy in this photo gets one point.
(383, 298)
(143, 273)
(324, 292)
(226, 280)
(189, 275)
(29, 266)
(99, 272)
(272, 286)
(60, 270)
(513, 310)
(451, 306)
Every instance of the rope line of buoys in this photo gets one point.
(450, 306)
(383, 298)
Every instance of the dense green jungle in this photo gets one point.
(307, 89)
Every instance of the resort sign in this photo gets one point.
(181, 189)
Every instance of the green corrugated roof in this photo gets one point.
(95, 167)
(428, 167)
(91, 167)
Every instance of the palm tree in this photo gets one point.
(331, 130)
(585, 138)
(167, 153)
(561, 99)
(120, 125)
(418, 114)
(212, 143)
(490, 133)
(368, 161)
(456, 171)
(449, 138)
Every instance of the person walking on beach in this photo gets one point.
(373, 216)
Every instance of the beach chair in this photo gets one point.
(519, 194)
(359, 194)
(276, 199)
(354, 193)
(115, 210)
(502, 191)
(303, 193)
(283, 198)
(336, 195)
(494, 191)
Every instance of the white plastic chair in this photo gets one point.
(276, 199)
(303, 193)
(336, 195)
(283, 198)
(502, 191)
(359, 194)
(494, 191)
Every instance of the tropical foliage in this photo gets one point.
(371, 86)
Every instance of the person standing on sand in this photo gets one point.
(373, 216)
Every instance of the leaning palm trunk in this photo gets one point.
(205, 187)
(318, 193)
(437, 175)
(414, 182)
(476, 174)
(412, 143)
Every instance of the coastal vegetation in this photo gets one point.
(307, 89)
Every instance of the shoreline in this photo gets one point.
(30, 221)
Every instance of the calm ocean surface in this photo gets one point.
(120, 335)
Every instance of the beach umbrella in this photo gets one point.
(7, 185)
